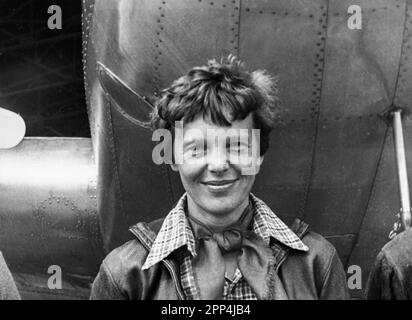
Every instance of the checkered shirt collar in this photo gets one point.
(176, 232)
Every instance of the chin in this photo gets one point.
(221, 206)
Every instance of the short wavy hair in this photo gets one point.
(221, 92)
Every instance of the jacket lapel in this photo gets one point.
(146, 234)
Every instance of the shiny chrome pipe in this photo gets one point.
(402, 171)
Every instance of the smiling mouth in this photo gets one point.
(219, 183)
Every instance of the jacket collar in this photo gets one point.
(175, 232)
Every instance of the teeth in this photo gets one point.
(220, 184)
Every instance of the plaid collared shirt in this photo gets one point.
(176, 233)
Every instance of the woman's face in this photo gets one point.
(216, 162)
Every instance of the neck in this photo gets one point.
(215, 220)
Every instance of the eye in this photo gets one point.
(238, 146)
(196, 151)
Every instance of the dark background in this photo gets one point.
(41, 75)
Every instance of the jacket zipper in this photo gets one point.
(168, 265)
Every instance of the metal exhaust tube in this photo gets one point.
(402, 172)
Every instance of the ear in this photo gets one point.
(259, 162)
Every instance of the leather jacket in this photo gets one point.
(391, 275)
(316, 274)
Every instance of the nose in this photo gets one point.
(217, 161)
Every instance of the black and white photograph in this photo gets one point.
(205, 150)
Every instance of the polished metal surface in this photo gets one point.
(402, 170)
(48, 212)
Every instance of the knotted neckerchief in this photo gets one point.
(253, 261)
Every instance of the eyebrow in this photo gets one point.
(192, 140)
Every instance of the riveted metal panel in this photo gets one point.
(48, 209)
(379, 216)
(123, 38)
(344, 169)
(281, 182)
(298, 64)
(190, 32)
(384, 202)
(359, 81)
(87, 57)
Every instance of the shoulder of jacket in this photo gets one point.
(319, 246)
(130, 254)
(134, 252)
(398, 251)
